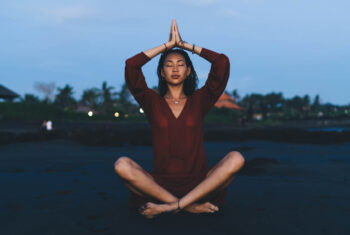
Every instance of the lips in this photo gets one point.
(175, 76)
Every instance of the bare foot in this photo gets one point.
(206, 207)
(149, 210)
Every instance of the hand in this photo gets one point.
(172, 36)
(178, 39)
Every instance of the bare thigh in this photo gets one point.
(226, 183)
(134, 166)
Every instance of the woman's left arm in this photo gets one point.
(218, 75)
(217, 79)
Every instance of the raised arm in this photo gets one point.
(135, 80)
(217, 79)
(134, 77)
(166, 46)
(218, 75)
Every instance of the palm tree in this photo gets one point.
(274, 101)
(316, 103)
(106, 93)
(124, 94)
(107, 97)
(64, 98)
(253, 104)
(235, 95)
(90, 96)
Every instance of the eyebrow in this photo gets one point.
(173, 60)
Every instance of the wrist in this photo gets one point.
(182, 44)
(169, 45)
(171, 206)
(166, 47)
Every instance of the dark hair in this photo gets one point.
(190, 83)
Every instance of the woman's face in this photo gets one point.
(175, 69)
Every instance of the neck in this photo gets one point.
(175, 92)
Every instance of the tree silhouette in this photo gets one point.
(107, 97)
(124, 94)
(235, 95)
(64, 98)
(106, 93)
(316, 104)
(31, 99)
(274, 101)
(46, 88)
(253, 104)
(90, 97)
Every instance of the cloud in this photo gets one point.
(201, 2)
(65, 13)
(227, 12)
(230, 12)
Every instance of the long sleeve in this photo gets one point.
(135, 81)
(217, 79)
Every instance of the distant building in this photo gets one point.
(82, 108)
(226, 101)
(7, 94)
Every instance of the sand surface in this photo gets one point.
(63, 187)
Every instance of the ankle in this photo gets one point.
(173, 205)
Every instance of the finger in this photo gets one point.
(172, 24)
(176, 27)
(144, 207)
(171, 29)
(141, 210)
(177, 32)
(213, 207)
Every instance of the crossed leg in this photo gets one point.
(142, 183)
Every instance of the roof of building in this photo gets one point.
(6, 93)
(226, 101)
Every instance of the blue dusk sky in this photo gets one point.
(296, 47)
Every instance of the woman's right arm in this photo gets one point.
(166, 46)
(134, 77)
(135, 80)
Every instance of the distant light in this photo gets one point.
(141, 110)
(116, 114)
(90, 113)
(126, 115)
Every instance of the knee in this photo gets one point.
(235, 162)
(123, 167)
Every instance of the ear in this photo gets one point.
(162, 73)
(188, 71)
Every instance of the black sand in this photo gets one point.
(63, 187)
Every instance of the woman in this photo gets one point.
(181, 178)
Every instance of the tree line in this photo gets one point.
(105, 102)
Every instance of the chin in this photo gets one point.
(175, 83)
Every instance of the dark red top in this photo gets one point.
(178, 145)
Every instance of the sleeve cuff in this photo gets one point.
(143, 58)
(209, 55)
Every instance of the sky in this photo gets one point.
(296, 47)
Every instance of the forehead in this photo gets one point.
(174, 57)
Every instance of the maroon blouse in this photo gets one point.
(178, 144)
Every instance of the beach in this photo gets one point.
(62, 186)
